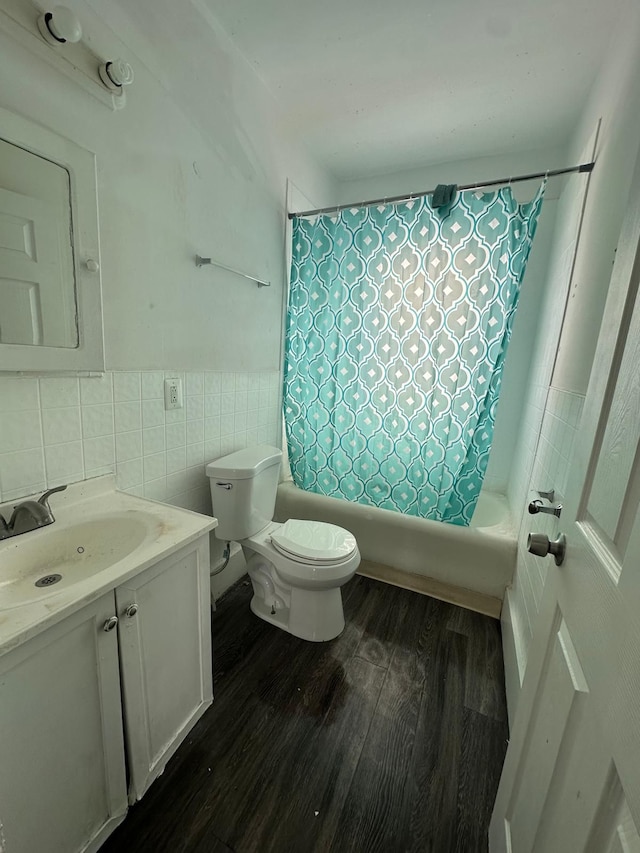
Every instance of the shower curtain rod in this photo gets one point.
(583, 167)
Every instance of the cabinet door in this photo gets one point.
(62, 779)
(165, 659)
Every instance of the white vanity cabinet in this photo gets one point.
(62, 765)
(64, 720)
(165, 658)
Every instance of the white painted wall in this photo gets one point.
(456, 172)
(552, 416)
(519, 357)
(197, 162)
(615, 98)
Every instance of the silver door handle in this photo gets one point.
(537, 506)
(131, 610)
(540, 545)
(110, 624)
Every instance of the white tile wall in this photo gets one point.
(559, 427)
(560, 423)
(61, 430)
(526, 448)
(550, 327)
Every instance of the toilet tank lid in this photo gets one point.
(244, 463)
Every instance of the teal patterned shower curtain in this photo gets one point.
(398, 324)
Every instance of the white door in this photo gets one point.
(571, 779)
(165, 659)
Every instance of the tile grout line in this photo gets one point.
(84, 467)
(41, 419)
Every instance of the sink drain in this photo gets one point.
(48, 580)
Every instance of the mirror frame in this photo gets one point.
(88, 356)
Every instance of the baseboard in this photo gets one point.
(104, 832)
(477, 601)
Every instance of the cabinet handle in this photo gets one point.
(131, 610)
(110, 624)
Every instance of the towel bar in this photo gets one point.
(201, 262)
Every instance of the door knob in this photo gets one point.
(110, 624)
(540, 545)
(131, 610)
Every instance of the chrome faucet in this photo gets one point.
(29, 515)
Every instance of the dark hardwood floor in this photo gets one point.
(389, 738)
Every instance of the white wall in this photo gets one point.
(615, 99)
(552, 415)
(196, 163)
(456, 172)
(519, 357)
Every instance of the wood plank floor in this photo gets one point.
(389, 738)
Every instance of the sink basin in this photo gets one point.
(46, 562)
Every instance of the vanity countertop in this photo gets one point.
(82, 506)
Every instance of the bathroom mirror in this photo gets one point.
(50, 297)
(37, 277)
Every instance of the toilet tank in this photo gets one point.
(243, 490)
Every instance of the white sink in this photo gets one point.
(100, 539)
(57, 557)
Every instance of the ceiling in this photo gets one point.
(373, 87)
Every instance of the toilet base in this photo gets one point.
(315, 615)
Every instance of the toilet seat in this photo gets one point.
(313, 542)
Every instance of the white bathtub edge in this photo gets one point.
(475, 559)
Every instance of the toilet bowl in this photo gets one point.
(296, 568)
(304, 596)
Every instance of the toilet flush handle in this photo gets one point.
(226, 486)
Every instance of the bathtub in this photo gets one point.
(478, 559)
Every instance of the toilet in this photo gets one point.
(296, 568)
